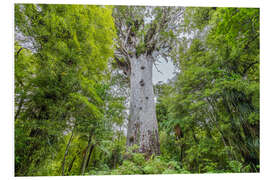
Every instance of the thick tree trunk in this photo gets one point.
(142, 126)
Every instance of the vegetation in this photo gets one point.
(144, 35)
(73, 89)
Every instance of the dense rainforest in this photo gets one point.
(85, 103)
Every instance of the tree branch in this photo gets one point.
(157, 68)
(249, 66)
(18, 52)
(128, 32)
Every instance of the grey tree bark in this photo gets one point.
(142, 126)
(144, 35)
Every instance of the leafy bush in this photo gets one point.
(136, 164)
(128, 167)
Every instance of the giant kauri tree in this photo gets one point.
(145, 34)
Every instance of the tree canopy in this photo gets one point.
(74, 90)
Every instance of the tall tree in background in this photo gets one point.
(144, 35)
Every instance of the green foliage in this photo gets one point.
(155, 165)
(138, 159)
(59, 73)
(235, 166)
(215, 98)
(70, 106)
